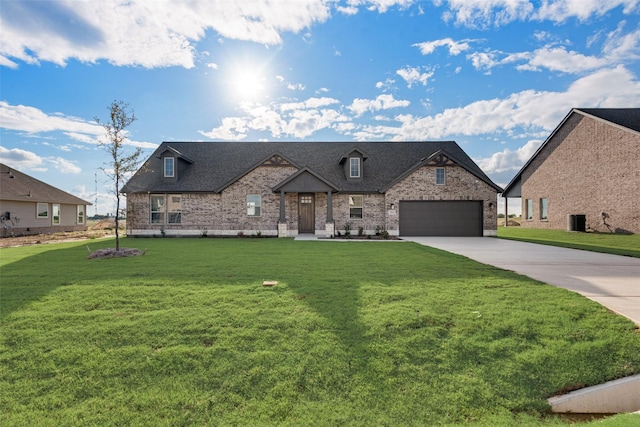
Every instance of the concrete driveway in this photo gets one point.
(611, 280)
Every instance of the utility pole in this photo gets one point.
(95, 202)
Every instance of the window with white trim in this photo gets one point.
(166, 209)
(55, 211)
(169, 167)
(440, 176)
(354, 167)
(157, 208)
(355, 206)
(80, 214)
(254, 204)
(42, 210)
(174, 209)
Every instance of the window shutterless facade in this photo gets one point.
(355, 206)
(80, 214)
(544, 209)
(354, 167)
(440, 176)
(157, 209)
(528, 209)
(55, 211)
(174, 209)
(166, 209)
(42, 210)
(169, 167)
(254, 204)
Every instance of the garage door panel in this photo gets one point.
(441, 218)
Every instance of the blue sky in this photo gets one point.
(497, 76)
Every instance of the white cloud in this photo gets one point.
(561, 10)
(33, 120)
(487, 13)
(619, 48)
(413, 75)
(455, 48)
(21, 159)
(507, 160)
(231, 129)
(380, 5)
(530, 110)
(622, 47)
(484, 13)
(309, 103)
(559, 59)
(63, 165)
(382, 102)
(148, 34)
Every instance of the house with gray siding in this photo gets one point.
(288, 188)
(586, 175)
(30, 206)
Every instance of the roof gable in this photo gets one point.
(17, 186)
(219, 164)
(305, 181)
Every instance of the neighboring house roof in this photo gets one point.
(625, 118)
(17, 186)
(219, 164)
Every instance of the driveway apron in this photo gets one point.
(611, 280)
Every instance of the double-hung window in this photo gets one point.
(355, 207)
(169, 167)
(174, 209)
(157, 209)
(354, 167)
(166, 209)
(529, 209)
(440, 176)
(254, 204)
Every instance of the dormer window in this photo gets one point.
(169, 167)
(354, 167)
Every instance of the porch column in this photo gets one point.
(329, 206)
(283, 217)
(506, 211)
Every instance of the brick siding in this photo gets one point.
(589, 167)
(226, 212)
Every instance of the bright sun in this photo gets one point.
(247, 84)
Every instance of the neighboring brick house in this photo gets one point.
(586, 175)
(30, 206)
(287, 188)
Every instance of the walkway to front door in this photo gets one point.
(306, 213)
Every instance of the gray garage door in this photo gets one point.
(441, 218)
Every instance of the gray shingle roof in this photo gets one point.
(625, 117)
(17, 186)
(218, 164)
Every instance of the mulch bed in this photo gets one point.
(113, 253)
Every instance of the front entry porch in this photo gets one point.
(308, 186)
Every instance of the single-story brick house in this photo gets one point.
(29, 206)
(586, 175)
(287, 188)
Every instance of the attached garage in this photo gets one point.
(440, 218)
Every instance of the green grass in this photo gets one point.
(616, 244)
(354, 334)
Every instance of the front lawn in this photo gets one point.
(616, 244)
(362, 333)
